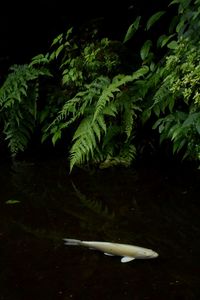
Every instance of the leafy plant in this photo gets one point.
(18, 105)
(176, 96)
(82, 60)
(99, 104)
(182, 89)
(99, 96)
(105, 112)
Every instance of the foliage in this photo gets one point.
(154, 18)
(99, 102)
(104, 114)
(170, 91)
(176, 96)
(18, 105)
(82, 60)
(182, 99)
(12, 201)
(132, 29)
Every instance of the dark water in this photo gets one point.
(155, 207)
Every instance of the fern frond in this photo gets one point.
(110, 110)
(90, 130)
(85, 140)
(162, 99)
(129, 117)
(76, 106)
(18, 132)
(18, 97)
(101, 122)
(109, 93)
(105, 97)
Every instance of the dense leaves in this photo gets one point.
(102, 101)
(18, 105)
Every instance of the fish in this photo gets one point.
(126, 251)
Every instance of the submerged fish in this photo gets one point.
(128, 252)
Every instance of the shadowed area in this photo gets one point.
(150, 206)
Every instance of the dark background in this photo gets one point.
(27, 28)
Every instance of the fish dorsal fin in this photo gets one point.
(127, 259)
(108, 254)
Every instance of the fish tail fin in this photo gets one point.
(72, 242)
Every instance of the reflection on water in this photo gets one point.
(152, 207)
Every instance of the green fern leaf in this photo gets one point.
(109, 92)
(128, 118)
(97, 130)
(85, 140)
(18, 97)
(105, 97)
(100, 120)
(110, 110)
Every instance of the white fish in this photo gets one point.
(128, 252)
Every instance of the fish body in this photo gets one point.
(128, 252)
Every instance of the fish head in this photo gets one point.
(148, 253)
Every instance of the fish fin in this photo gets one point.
(108, 254)
(127, 259)
(73, 242)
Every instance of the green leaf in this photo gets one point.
(196, 14)
(44, 137)
(154, 18)
(57, 39)
(164, 39)
(52, 56)
(146, 115)
(171, 103)
(198, 127)
(132, 29)
(65, 78)
(174, 2)
(156, 110)
(178, 145)
(180, 26)
(178, 129)
(60, 48)
(145, 49)
(173, 24)
(102, 123)
(172, 45)
(40, 58)
(12, 201)
(140, 72)
(56, 136)
(186, 3)
(157, 123)
(69, 31)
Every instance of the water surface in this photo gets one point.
(151, 206)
